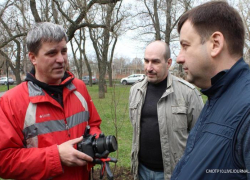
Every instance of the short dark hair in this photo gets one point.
(44, 32)
(217, 16)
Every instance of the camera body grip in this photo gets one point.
(86, 145)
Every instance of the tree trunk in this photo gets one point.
(18, 77)
(110, 63)
(169, 22)
(86, 58)
(102, 82)
(157, 23)
(110, 74)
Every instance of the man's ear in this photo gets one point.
(169, 62)
(217, 43)
(32, 58)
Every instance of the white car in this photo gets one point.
(132, 79)
(3, 80)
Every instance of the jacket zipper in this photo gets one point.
(65, 121)
(67, 127)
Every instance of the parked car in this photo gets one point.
(3, 80)
(132, 78)
(86, 79)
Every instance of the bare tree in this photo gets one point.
(137, 65)
(115, 34)
(160, 18)
(30, 11)
(13, 41)
(101, 39)
(80, 40)
(83, 10)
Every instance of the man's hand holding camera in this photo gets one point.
(70, 156)
(101, 146)
(99, 149)
(89, 149)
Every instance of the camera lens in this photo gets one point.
(105, 143)
(111, 143)
(99, 145)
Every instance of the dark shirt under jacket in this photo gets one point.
(150, 154)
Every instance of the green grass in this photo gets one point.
(4, 87)
(204, 98)
(115, 97)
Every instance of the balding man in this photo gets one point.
(162, 109)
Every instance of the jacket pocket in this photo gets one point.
(133, 112)
(219, 130)
(179, 120)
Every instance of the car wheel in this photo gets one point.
(5, 83)
(124, 82)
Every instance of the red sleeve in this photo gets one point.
(18, 162)
(94, 118)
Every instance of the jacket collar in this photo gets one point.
(143, 85)
(170, 80)
(220, 86)
(36, 89)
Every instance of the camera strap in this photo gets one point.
(105, 166)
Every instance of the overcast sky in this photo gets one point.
(129, 47)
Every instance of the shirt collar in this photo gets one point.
(218, 76)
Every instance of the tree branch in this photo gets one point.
(107, 1)
(62, 12)
(91, 25)
(34, 11)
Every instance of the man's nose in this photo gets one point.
(149, 66)
(180, 59)
(60, 58)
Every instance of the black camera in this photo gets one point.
(92, 146)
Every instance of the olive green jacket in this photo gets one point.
(178, 109)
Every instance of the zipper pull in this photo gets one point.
(67, 128)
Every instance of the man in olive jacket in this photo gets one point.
(162, 109)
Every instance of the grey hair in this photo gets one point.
(44, 32)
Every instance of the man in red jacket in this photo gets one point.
(43, 118)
